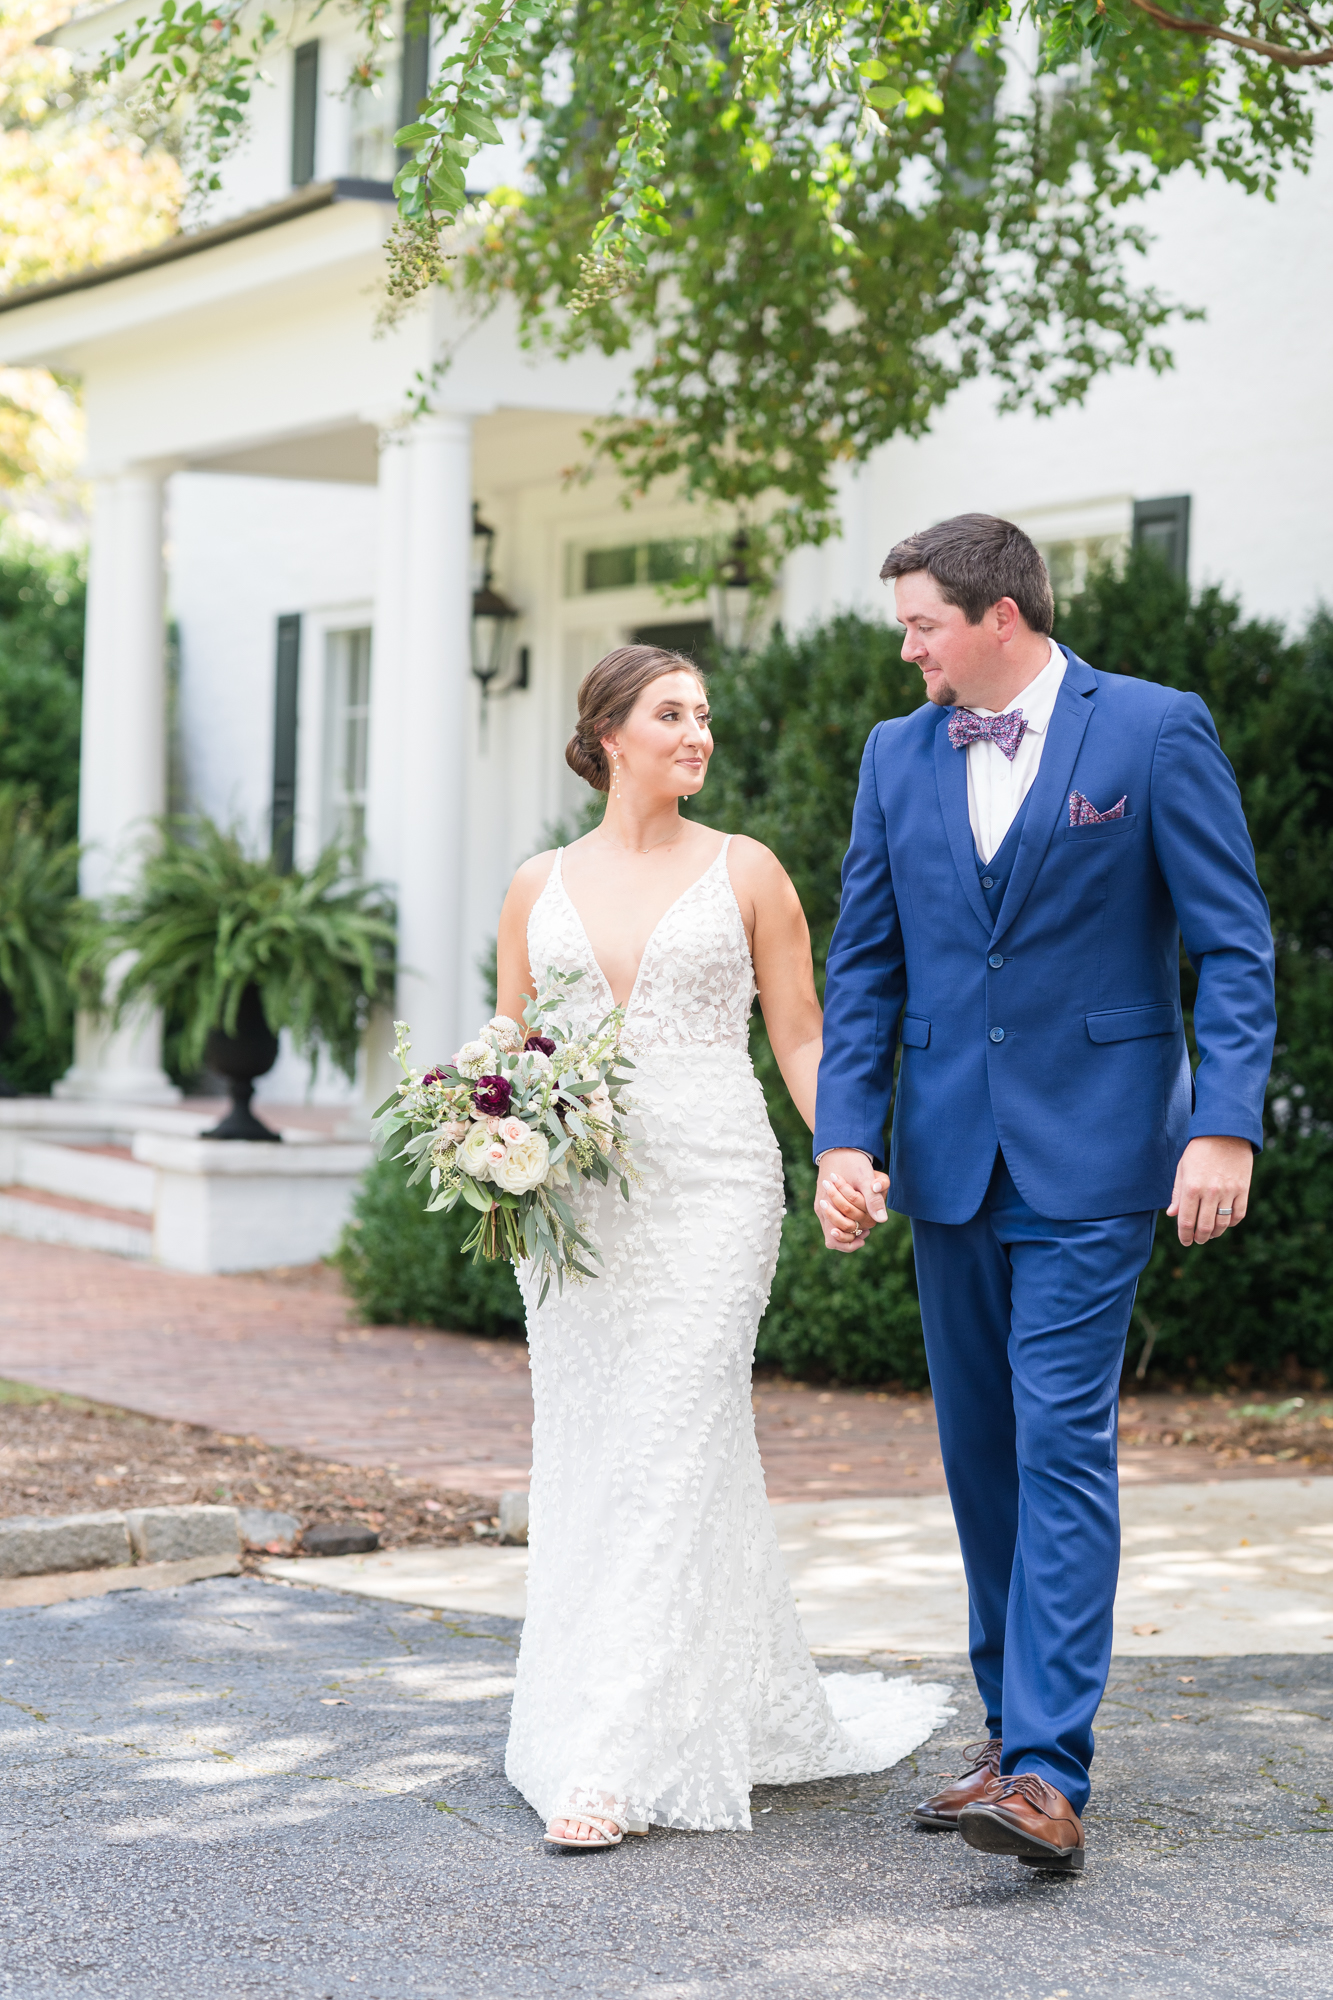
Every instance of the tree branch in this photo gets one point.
(1275, 51)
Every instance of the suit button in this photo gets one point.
(997, 1034)
(996, 960)
(988, 881)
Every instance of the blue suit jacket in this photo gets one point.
(1071, 1053)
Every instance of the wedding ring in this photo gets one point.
(1224, 1211)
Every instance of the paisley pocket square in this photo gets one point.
(1082, 812)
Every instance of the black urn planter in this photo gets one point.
(250, 1052)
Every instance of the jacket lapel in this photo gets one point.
(951, 782)
(1049, 797)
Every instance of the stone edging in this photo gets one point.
(38, 1545)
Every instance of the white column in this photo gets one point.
(432, 723)
(122, 758)
(851, 568)
(802, 598)
(384, 815)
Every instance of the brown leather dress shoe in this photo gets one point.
(1025, 1817)
(940, 1814)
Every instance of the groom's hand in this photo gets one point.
(849, 1199)
(1212, 1187)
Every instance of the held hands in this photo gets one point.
(849, 1199)
(1212, 1187)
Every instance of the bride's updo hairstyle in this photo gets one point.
(607, 693)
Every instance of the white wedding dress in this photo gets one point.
(663, 1670)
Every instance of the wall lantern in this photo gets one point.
(733, 595)
(493, 616)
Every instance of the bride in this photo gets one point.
(662, 1670)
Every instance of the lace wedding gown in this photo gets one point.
(662, 1670)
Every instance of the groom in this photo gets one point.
(1028, 849)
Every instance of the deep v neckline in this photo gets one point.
(675, 904)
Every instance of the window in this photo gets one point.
(1071, 562)
(374, 120)
(346, 736)
(377, 113)
(305, 112)
(694, 638)
(634, 564)
(1164, 525)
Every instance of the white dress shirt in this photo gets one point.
(995, 787)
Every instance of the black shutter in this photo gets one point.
(305, 109)
(1164, 525)
(285, 682)
(415, 75)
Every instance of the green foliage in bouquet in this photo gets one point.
(207, 920)
(404, 1267)
(38, 879)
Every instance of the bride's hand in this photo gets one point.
(848, 1210)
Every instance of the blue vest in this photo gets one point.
(993, 875)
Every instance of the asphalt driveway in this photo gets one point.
(243, 1788)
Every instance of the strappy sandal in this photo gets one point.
(610, 1828)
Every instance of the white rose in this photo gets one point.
(454, 1130)
(513, 1131)
(600, 1107)
(472, 1157)
(524, 1166)
(506, 1034)
(474, 1058)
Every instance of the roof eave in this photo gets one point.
(188, 243)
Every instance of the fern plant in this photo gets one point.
(208, 920)
(38, 869)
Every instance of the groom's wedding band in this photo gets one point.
(1224, 1211)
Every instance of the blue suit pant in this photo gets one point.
(1025, 1322)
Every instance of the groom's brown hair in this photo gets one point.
(976, 559)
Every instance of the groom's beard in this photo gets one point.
(943, 696)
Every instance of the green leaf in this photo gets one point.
(470, 118)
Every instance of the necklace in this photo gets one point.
(652, 849)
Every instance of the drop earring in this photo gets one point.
(615, 774)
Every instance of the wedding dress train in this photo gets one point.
(663, 1670)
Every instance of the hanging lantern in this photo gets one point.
(733, 595)
(493, 616)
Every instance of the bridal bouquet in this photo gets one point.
(519, 1115)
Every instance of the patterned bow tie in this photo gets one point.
(1006, 732)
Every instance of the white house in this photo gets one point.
(315, 562)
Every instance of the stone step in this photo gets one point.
(106, 1175)
(42, 1217)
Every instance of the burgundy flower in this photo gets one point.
(542, 1042)
(491, 1095)
(434, 1076)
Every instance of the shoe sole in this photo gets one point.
(989, 1833)
(935, 1822)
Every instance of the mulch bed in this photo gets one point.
(61, 1455)
(1291, 1430)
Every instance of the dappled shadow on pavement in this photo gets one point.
(243, 1789)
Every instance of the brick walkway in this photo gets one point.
(279, 1357)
